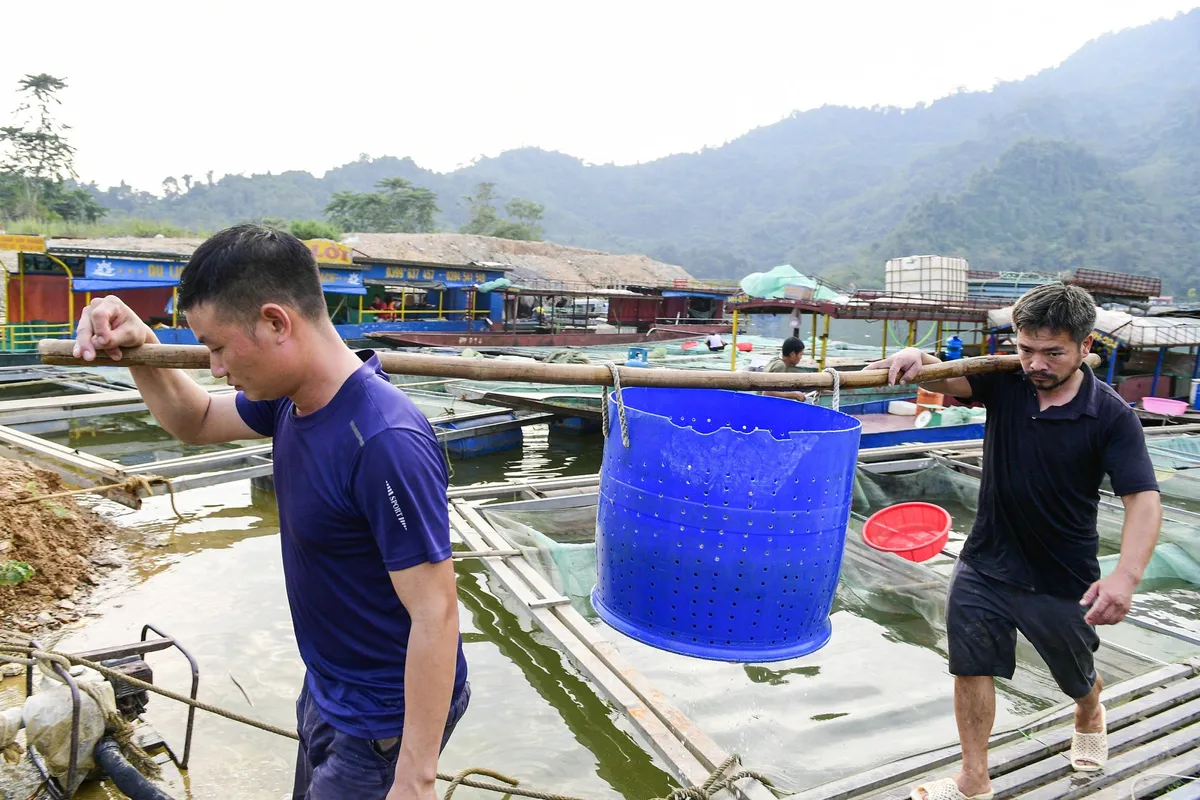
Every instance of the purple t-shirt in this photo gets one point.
(361, 485)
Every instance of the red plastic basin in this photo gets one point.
(915, 531)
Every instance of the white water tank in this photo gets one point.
(928, 276)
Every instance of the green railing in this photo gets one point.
(23, 337)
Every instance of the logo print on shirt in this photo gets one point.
(396, 505)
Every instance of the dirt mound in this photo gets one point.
(55, 537)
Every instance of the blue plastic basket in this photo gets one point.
(720, 530)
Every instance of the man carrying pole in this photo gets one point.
(363, 518)
(1030, 563)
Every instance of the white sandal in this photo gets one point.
(1091, 748)
(945, 789)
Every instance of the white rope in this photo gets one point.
(604, 423)
(837, 387)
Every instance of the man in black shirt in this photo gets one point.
(1030, 563)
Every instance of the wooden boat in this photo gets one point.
(563, 339)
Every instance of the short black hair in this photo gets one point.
(792, 345)
(1058, 307)
(243, 267)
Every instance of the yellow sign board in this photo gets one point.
(22, 244)
(327, 251)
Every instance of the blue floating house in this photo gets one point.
(365, 296)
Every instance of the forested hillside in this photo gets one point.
(1095, 162)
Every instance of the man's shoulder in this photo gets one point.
(1110, 406)
(390, 407)
(996, 385)
(1013, 379)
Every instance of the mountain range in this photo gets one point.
(1094, 162)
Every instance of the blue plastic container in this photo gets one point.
(954, 348)
(638, 357)
(720, 530)
(483, 444)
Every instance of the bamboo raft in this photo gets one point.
(1153, 739)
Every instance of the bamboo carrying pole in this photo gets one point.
(168, 356)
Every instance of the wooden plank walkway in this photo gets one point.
(1153, 737)
(688, 752)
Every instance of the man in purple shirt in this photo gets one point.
(363, 519)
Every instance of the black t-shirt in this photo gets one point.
(1042, 470)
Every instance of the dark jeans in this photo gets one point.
(332, 765)
(983, 616)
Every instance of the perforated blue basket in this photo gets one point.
(721, 527)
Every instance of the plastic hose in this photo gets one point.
(133, 783)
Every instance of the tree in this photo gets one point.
(36, 149)
(76, 204)
(170, 186)
(483, 213)
(314, 229)
(400, 207)
(187, 183)
(524, 216)
(527, 217)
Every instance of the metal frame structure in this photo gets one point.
(144, 646)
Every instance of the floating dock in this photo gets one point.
(1153, 751)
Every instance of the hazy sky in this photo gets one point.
(167, 88)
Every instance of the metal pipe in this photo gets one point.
(1162, 354)
(70, 289)
(21, 280)
(182, 763)
(733, 358)
(824, 342)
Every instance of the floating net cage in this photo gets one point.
(560, 541)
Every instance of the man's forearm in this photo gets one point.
(177, 402)
(788, 395)
(1139, 533)
(428, 689)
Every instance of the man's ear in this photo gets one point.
(277, 321)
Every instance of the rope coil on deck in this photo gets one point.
(16, 649)
(604, 422)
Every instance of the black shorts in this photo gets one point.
(983, 616)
